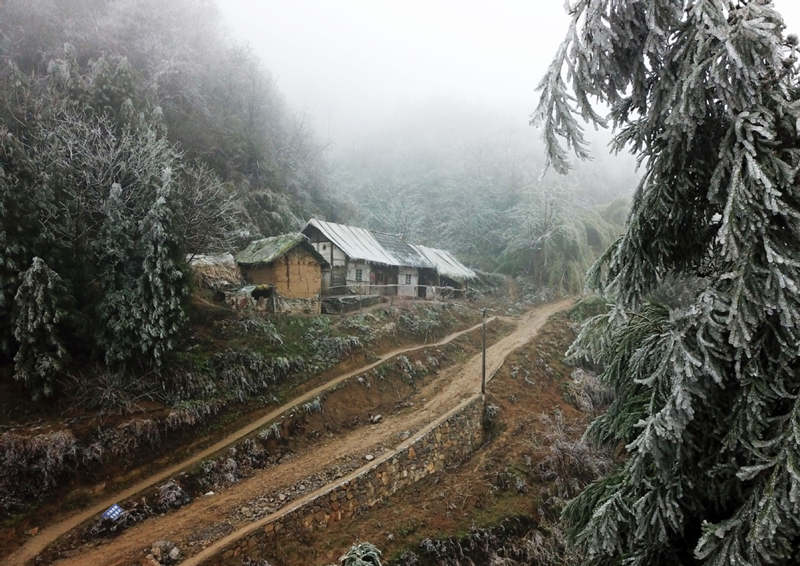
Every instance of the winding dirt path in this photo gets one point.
(32, 547)
(219, 517)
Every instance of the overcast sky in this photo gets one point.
(353, 65)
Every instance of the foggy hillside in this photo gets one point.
(399, 283)
(474, 180)
(444, 172)
(217, 101)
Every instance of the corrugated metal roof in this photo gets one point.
(446, 263)
(360, 243)
(404, 253)
(267, 250)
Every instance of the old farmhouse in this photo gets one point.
(284, 273)
(362, 261)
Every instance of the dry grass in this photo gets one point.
(216, 272)
(32, 464)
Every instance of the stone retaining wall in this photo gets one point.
(448, 441)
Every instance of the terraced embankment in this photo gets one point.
(336, 476)
(37, 544)
(447, 440)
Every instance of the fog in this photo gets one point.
(406, 117)
(357, 66)
(352, 66)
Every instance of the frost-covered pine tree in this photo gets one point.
(118, 274)
(38, 319)
(702, 344)
(22, 236)
(158, 306)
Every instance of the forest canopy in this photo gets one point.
(132, 133)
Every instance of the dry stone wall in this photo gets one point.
(448, 441)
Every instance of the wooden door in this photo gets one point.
(338, 280)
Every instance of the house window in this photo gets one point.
(324, 247)
(408, 279)
(358, 275)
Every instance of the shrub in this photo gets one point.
(587, 392)
(171, 496)
(570, 464)
(32, 464)
(361, 554)
(422, 323)
(313, 406)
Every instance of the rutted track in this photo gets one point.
(35, 545)
(495, 357)
(457, 386)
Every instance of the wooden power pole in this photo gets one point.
(483, 371)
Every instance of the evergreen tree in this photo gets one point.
(119, 268)
(158, 305)
(20, 234)
(38, 318)
(701, 345)
(82, 186)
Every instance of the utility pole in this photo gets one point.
(483, 372)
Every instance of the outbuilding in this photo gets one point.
(449, 274)
(283, 273)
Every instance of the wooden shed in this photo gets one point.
(449, 274)
(285, 268)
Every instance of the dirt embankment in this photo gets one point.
(207, 520)
(37, 543)
(511, 476)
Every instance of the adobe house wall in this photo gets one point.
(296, 275)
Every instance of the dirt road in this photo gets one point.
(47, 535)
(220, 517)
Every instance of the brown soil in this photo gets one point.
(46, 536)
(207, 520)
(219, 517)
(344, 408)
(450, 504)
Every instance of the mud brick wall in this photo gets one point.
(447, 442)
(296, 275)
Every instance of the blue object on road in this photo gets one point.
(114, 512)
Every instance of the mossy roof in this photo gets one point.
(267, 250)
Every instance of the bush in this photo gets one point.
(361, 554)
(570, 464)
(32, 464)
(422, 324)
(587, 392)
